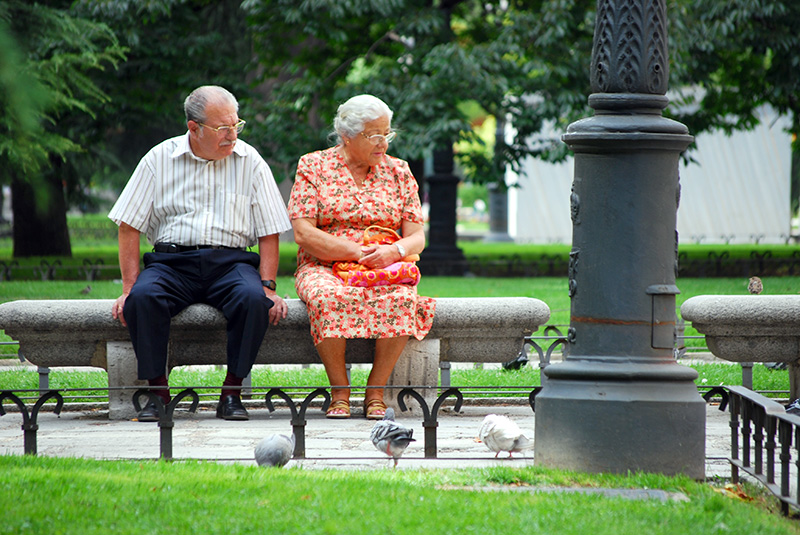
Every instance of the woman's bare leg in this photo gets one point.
(331, 351)
(387, 351)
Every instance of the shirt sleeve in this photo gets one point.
(269, 210)
(135, 204)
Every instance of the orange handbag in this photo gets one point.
(404, 271)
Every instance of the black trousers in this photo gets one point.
(226, 279)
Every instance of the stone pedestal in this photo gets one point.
(122, 371)
(418, 366)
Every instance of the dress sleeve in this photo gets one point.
(303, 199)
(412, 207)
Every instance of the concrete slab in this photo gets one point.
(330, 444)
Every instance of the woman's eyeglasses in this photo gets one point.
(378, 138)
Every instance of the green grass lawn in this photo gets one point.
(59, 495)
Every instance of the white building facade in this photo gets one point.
(737, 190)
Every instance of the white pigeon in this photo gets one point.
(390, 437)
(500, 433)
(275, 450)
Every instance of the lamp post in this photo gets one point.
(442, 256)
(620, 401)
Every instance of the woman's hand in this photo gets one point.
(379, 256)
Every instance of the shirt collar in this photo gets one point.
(183, 147)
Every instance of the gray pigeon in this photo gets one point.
(390, 437)
(275, 450)
(500, 433)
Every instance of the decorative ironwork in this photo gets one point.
(755, 423)
(429, 415)
(574, 206)
(572, 335)
(630, 48)
(717, 391)
(714, 264)
(165, 413)
(532, 397)
(29, 420)
(91, 269)
(574, 254)
(298, 416)
(761, 431)
(5, 269)
(545, 357)
(46, 270)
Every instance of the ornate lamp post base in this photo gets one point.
(620, 418)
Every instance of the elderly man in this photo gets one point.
(201, 199)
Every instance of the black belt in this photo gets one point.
(175, 248)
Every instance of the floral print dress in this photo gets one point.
(325, 190)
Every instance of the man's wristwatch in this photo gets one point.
(270, 284)
(401, 250)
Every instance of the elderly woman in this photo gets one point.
(337, 194)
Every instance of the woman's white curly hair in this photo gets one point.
(358, 110)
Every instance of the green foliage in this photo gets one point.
(48, 57)
(173, 47)
(468, 194)
(424, 59)
(22, 98)
(740, 55)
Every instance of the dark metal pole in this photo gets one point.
(442, 256)
(620, 401)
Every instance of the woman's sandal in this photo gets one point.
(375, 409)
(341, 405)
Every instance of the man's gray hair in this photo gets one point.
(195, 104)
(353, 114)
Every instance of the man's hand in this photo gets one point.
(278, 310)
(116, 309)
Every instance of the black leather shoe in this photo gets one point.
(230, 408)
(149, 413)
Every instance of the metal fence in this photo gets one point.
(761, 430)
(714, 264)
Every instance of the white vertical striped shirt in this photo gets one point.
(175, 197)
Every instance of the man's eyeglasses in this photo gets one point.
(377, 138)
(225, 128)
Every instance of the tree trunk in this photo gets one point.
(40, 216)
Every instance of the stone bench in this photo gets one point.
(57, 333)
(750, 328)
